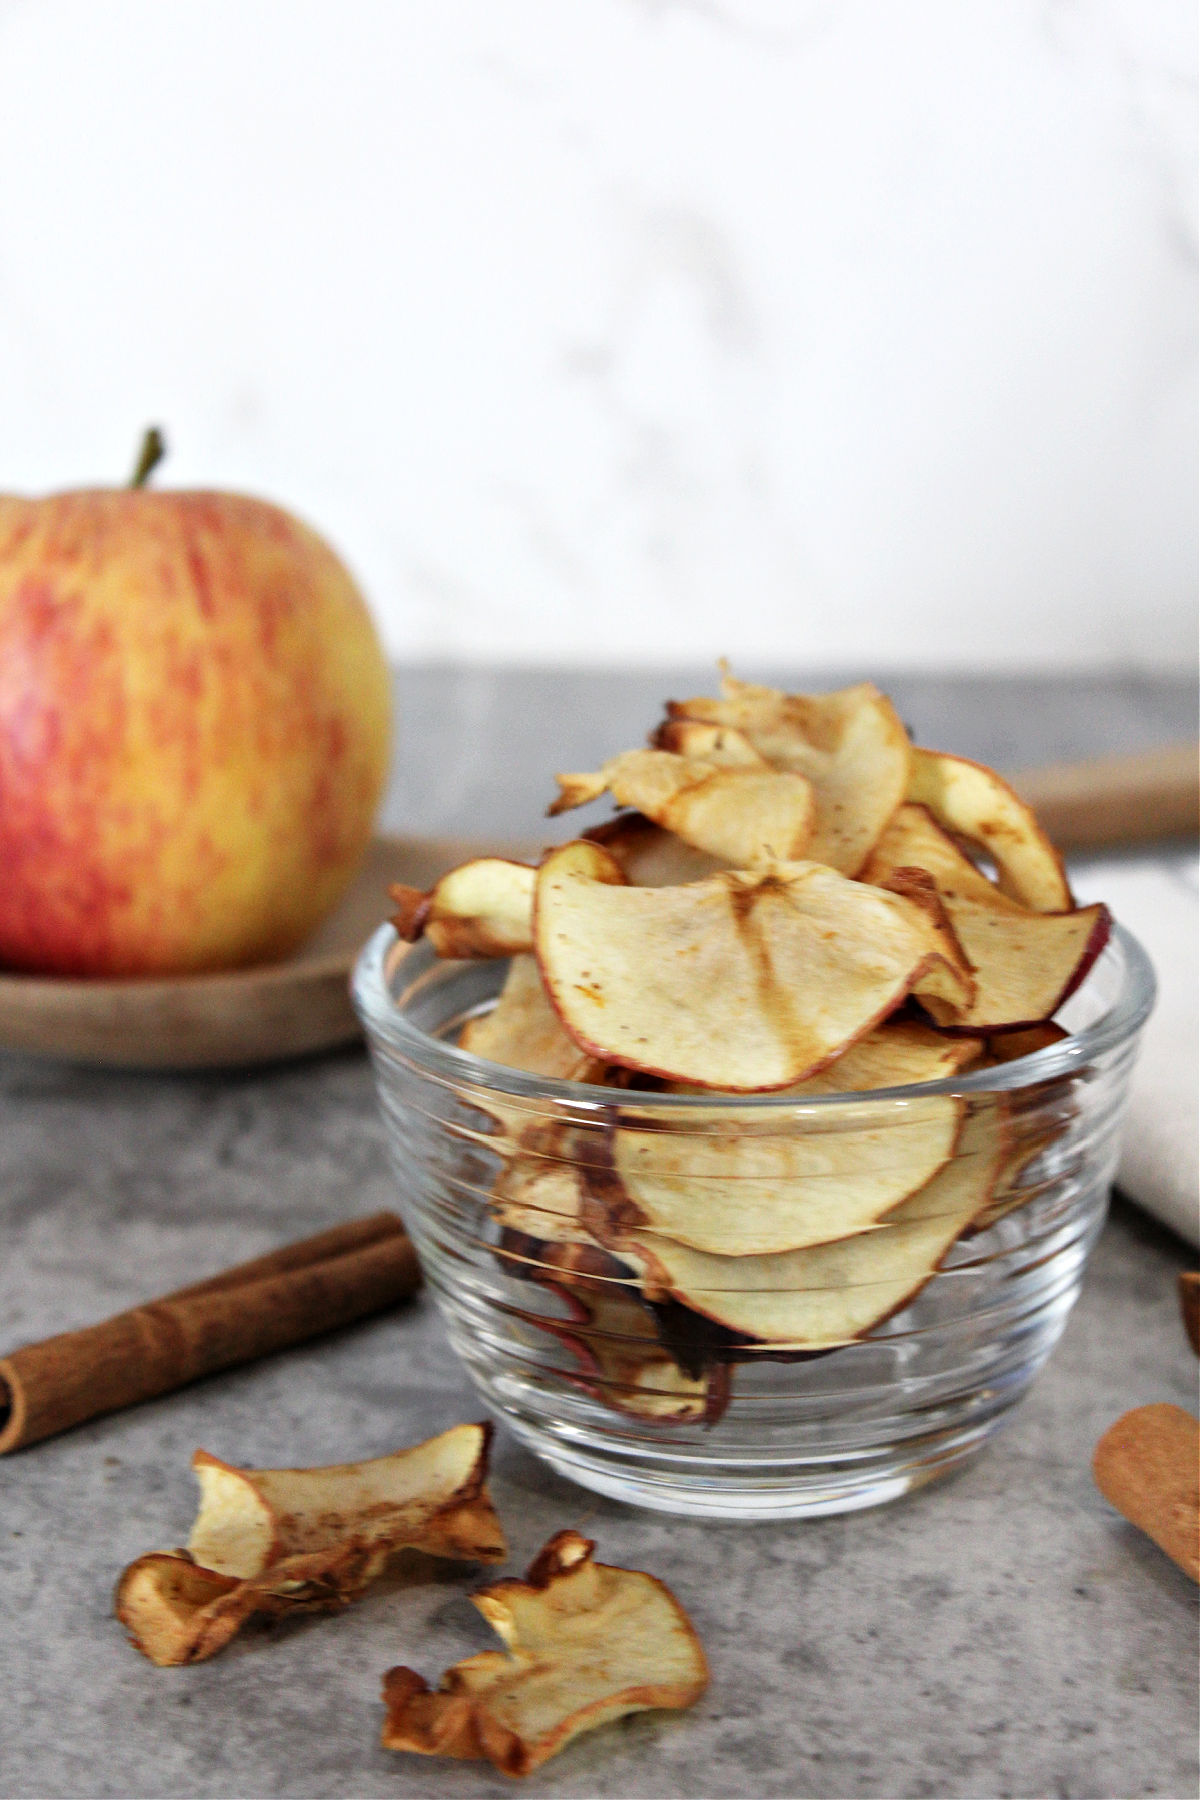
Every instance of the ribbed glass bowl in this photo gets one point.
(658, 1387)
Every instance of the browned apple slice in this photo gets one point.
(744, 981)
(746, 1193)
(850, 744)
(1026, 963)
(742, 1183)
(623, 1365)
(974, 803)
(831, 1294)
(482, 908)
(277, 1541)
(898, 1053)
(433, 1495)
(719, 744)
(540, 1192)
(523, 1031)
(746, 815)
(648, 856)
(584, 1643)
(1010, 1045)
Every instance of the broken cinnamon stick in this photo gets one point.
(269, 1304)
(1147, 1465)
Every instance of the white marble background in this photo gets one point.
(813, 331)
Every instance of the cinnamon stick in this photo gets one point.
(1147, 1465)
(269, 1304)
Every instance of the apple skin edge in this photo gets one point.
(608, 869)
(194, 731)
(1097, 938)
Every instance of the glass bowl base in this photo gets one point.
(803, 1490)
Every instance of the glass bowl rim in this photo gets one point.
(388, 1024)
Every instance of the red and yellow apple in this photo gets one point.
(194, 731)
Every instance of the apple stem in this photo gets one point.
(154, 448)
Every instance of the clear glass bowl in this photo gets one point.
(644, 1372)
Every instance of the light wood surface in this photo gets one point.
(1113, 801)
(303, 1005)
(244, 1016)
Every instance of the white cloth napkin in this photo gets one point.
(1158, 902)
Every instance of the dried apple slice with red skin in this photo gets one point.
(743, 1183)
(539, 1192)
(577, 1261)
(947, 988)
(1026, 963)
(746, 981)
(523, 1031)
(743, 814)
(850, 744)
(720, 744)
(648, 856)
(1010, 1046)
(251, 1519)
(975, 803)
(750, 1194)
(482, 908)
(584, 1643)
(898, 1053)
(833, 1294)
(271, 1542)
(624, 1366)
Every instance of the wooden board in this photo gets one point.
(1116, 801)
(244, 1016)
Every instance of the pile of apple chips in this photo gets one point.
(792, 900)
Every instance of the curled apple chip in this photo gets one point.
(737, 1183)
(851, 745)
(523, 1031)
(540, 1189)
(898, 1053)
(584, 1643)
(746, 981)
(1010, 1045)
(830, 1294)
(1025, 963)
(482, 908)
(744, 814)
(648, 856)
(720, 744)
(974, 802)
(625, 1367)
(274, 1541)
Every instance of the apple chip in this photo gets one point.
(746, 815)
(738, 1183)
(1026, 963)
(523, 1031)
(624, 1366)
(851, 745)
(274, 1541)
(648, 856)
(482, 908)
(1010, 1045)
(974, 803)
(832, 1293)
(898, 1053)
(585, 1643)
(719, 744)
(744, 981)
(540, 1190)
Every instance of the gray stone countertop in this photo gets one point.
(1000, 1633)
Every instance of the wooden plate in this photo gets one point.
(244, 1016)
